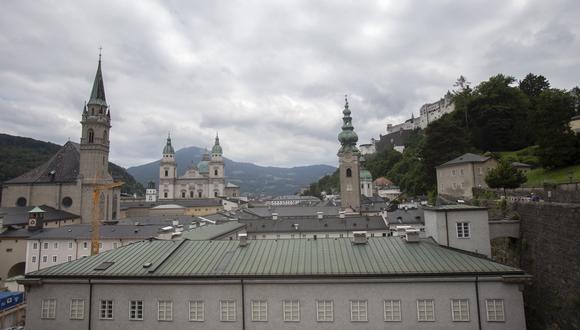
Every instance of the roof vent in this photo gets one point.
(320, 215)
(274, 216)
(243, 237)
(147, 265)
(359, 237)
(341, 214)
(411, 235)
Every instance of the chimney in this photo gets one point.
(243, 238)
(411, 235)
(341, 214)
(359, 237)
(320, 215)
(274, 216)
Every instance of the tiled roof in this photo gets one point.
(209, 232)
(381, 256)
(19, 215)
(65, 164)
(313, 224)
(405, 217)
(201, 202)
(466, 158)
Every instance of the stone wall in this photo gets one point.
(550, 251)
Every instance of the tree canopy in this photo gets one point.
(505, 176)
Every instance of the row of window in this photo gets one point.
(392, 311)
(70, 245)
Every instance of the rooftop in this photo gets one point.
(381, 256)
(201, 202)
(466, 158)
(454, 207)
(12, 216)
(289, 211)
(210, 232)
(313, 224)
(105, 232)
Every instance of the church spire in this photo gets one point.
(98, 91)
(347, 137)
(168, 150)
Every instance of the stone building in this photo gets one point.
(457, 177)
(69, 179)
(430, 112)
(342, 283)
(348, 158)
(204, 180)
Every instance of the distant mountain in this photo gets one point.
(19, 155)
(251, 178)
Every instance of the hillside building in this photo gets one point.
(67, 180)
(457, 177)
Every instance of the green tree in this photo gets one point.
(533, 85)
(557, 144)
(505, 176)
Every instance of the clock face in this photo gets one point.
(32, 222)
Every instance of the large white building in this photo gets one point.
(360, 283)
(204, 180)
(428, 113)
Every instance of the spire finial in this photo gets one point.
(346, 100)
(100, 51)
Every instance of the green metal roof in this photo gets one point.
(209, 232)
(382, 256)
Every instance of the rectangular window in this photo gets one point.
(54, 258)
(460, 310)
(463, 230)
(115, 245)
(70, 245)
(495, 311)
(453, 172)
(196, 310)
(291, 310)
(358, 311)
(392, 310)
(35, 245)
(100, 246)
(77, 309)
(259, 310)
(69, 258)
(324, 311)
(106, 310)
(227, 310)
(34, 259)
(44, 258)
(45, 245)
(55, 245)
(48, 309)
(136, 310)
(165, 310)
(425, 310)
(461, 172)
(85, 245)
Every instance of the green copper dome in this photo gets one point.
(365, 175)
(217, 149)
(203, 165)
(347, 137)
(168, 147)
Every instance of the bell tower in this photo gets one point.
(96, 123)
(167, 171)
(348, 158)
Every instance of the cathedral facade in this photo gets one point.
(204, 180)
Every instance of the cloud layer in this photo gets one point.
(268, 75)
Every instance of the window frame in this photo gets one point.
(48, 309)
(77, 309)
(326, 314)
(424, 317)
(495, 310)
(200, 305)
(225, 310)
(165, 311)
(106, 309)
(463, 229)
(362, 313)
(391, 303)
(457, 314)
(259, 309)
(136, 308)
(288, 310)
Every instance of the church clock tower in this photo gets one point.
(348, 157)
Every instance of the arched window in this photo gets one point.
(199, 194)
(183, 194)
(21, 201)
(115, 204)
(215, 172)
(348, 172)
(215, 194)
(91, 135)
(191, 194)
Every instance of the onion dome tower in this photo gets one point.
(348, 158)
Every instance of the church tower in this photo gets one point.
(94, 156)
(216, 170)
(167, 171)
(348, 157)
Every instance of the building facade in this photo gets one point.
(204, 180)
(457, 177)
(68, 180)
(235, 285)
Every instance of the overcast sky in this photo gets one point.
(270, 76)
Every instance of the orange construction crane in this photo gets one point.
(96, 214)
